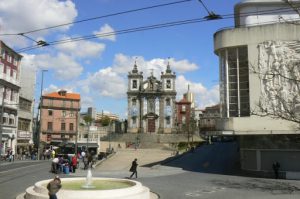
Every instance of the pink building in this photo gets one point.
(59, 117)
(183, 114)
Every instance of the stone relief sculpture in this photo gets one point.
(279, 74)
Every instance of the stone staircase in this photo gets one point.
(146, 140)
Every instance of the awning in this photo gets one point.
(68, 145)
(91, 145)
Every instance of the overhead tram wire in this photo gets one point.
(211, 15)
(101, 17)
(143, 28)
(125, 12)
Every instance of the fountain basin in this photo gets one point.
(119, 188)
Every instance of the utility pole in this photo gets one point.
(41, 106)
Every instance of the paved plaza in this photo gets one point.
(207, 174)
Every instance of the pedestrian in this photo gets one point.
(54, 165)
(74, 163)
(276, 167)
(133, 168)
(89, 160)
(53, 187)
(53, 153)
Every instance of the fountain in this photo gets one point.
(91, 188)
(88, 182)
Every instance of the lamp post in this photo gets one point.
(40, 112)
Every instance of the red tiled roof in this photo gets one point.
(74, 96)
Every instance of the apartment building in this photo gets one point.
(9, 97)
(59, 119)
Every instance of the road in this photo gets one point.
(208, 173)
(16, 177)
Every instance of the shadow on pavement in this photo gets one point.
(218, 158)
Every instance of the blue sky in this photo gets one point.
(97, 68)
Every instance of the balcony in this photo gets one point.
(8, 78)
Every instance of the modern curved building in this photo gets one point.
(259, 59)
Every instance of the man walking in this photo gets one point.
(133, 168)
(276, 167)
(53, 187)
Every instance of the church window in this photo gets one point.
(134, 84)
(168, 84)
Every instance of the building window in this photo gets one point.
(49, 126)
(9, 58)
(183, 119)
(50, 112)
(63, 126)
(168, 84)
(11, 121)
(71, 114)
(64, 103)
(234, 82)
(64, 113)
(134, 84)
(50, 102)
(23, 125)
(71, 127)
(15, 61)
(183, 108)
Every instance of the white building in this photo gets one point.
(9, 97)
(25, 111)
(263, 42)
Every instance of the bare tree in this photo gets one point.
(279, 73)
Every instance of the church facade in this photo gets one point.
(151, 102)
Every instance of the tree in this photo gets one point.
(105, 121)
(87, 119)
(279, 74)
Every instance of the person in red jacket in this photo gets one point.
(74, 163)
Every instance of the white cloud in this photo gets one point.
(123, 64)
(182, 66)
(91, 49)
(86, 101)
(204, 97)
(106, 30)
(64, 66)
(20, 16)
(106, 83)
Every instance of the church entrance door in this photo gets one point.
(151, 125)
